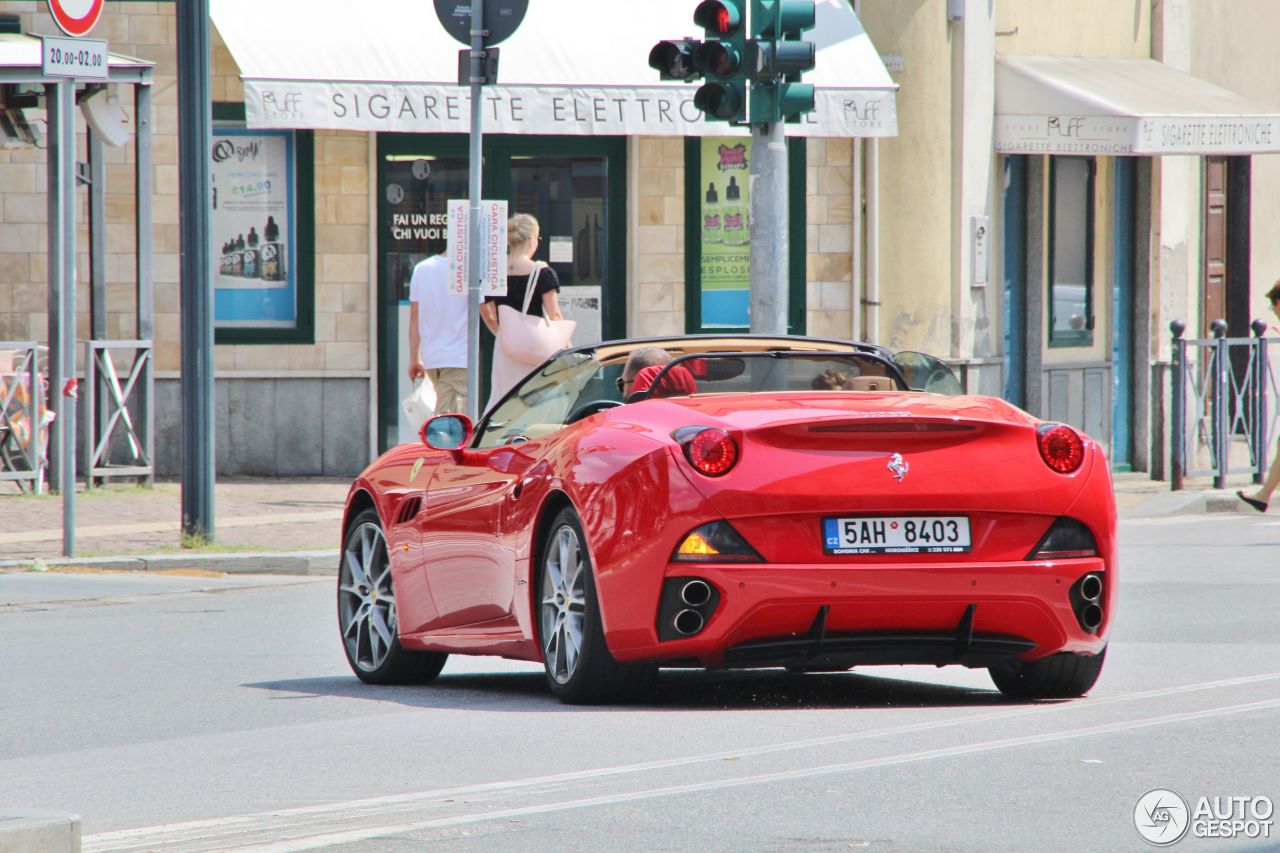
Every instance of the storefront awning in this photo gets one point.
(390, 66)
(1073, 105)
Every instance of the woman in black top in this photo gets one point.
(522, 242)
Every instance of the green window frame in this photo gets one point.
(694, 189)
(304, 207)
(1071, 224)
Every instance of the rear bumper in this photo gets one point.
(840, 616)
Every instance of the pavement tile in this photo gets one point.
(252, 517)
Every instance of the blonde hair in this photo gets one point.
(521, 228)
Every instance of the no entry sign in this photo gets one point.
(76, 17)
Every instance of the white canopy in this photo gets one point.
(1074, 105)
(389, 65)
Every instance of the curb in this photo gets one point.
(263, 563)
(1184, 503)
(47, 832)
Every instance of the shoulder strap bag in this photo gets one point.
(529, 339)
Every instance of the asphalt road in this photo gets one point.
(180, 713)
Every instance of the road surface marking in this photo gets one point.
(146, 838)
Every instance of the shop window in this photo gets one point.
(1071, 223)
(718, 234)
(262, 226)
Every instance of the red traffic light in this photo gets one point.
(718, 17)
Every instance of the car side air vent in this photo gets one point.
(408, 509)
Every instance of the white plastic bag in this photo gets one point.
(420, 405)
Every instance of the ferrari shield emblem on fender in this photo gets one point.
(898, 466)
(417, 466)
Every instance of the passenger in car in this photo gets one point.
(829, 380)
(638, 360)
(677, 382)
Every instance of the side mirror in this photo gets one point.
(447, 432)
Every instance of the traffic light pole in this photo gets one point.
(473, 223)
(769, 229)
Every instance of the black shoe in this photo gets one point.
(1260, 506)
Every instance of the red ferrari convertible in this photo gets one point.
(751, 502)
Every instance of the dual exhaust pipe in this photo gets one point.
(696, 594)
(687, 603)
(1086, 600)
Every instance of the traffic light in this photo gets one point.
(673, 59)
(780, 57)
(722, 59)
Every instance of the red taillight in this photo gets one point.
(1061, 447)
(710, 451)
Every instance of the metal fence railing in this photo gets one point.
(23, 415)
(1224, 398)
(119, 435)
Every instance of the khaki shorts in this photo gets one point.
(451, 389)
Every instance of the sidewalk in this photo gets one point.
(290, 526)
(269, 525)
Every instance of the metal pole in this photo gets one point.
(145, 307)
(1221, 441)
(54, 177)
(769, 228)
(195, 123)
(37, 449)
(1261, 368)
(475, 166)
(94, 418)
(1177, 452)
(62, 298)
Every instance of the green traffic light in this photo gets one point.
(794, 17)
(778, 59)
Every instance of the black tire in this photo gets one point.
(569, 614)
(367, 623)
(1061, 676)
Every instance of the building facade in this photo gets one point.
(1046, 278)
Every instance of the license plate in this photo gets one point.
(896, 534)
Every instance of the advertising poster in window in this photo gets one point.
(253, 228)
(726, 235)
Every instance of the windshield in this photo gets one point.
(541, 403)
(753, 373)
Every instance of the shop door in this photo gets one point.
(575, 187)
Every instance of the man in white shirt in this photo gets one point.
(438, 334)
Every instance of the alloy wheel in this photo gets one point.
(564, 604)
(367, 602)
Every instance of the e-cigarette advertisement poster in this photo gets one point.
(726, 236)
(253, 228)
